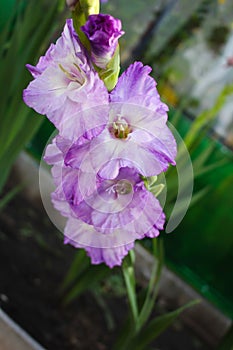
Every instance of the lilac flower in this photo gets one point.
(65, 85)
(103, 32)
(107, 219)
(136, 135)
(98, 181)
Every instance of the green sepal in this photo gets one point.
(90, 7)
(83, 9)
(150, 183)
(156, 190)
(110, 74)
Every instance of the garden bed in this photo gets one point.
(33, 264)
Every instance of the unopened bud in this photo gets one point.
(103, 32)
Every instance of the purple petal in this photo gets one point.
(110, 256)
(105, 217)
(107, 155)
(122, 203)
(66, 88)
(135, 86)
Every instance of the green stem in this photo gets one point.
(130, 282)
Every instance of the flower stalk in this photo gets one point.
(81, 10)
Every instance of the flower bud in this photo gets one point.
(103, 32)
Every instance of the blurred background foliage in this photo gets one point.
(190, 47)
(26, 30)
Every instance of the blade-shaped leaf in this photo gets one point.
(9, 196)
(156, 327)
(202, 157)
(153, 287)
(210, 167)
(79, 264)
(86, 281)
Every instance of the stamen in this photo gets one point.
(123, 187)
(77, 66)
(120, 187)
(79, 78)
(120, 128)
(114, 126)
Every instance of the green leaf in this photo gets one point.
(153, 287)
(25, 36)
(105, 308)
(202, 157)
(130, 282)
(205, 169)
(125, 336)
(206, 117)
(177, 116)
(86, 281)
(181, 206)
(199, 195)
(79, 264)
(9, 196)
(156, 327)
(110, 74)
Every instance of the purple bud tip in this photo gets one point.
(103, 32)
